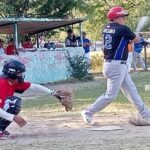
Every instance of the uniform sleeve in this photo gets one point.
(127, 33)
(67, 42)
(40, 88)
(3, 92)
(1, 103)
(90, 41)
(5, 115)
(22, 87)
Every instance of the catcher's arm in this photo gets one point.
(39, 88)
(6, 115)
(64, 96)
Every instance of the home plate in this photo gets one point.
(106, 128)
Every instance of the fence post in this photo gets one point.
(145, 55)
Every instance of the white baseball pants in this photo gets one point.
(129, 60)
(87, 56)
(118, 78)
(137, 60)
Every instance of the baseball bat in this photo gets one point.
(142, 23)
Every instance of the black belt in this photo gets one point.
(121, 61)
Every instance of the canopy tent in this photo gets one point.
(34, 25)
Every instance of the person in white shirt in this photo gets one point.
(2, 50)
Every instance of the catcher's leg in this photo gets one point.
(12, 106)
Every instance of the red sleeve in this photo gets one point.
(23, 45)
(4, 91)
(20, 88)
(6, 49)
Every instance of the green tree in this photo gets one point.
(17, 8)
(57, 8)
(96, 11)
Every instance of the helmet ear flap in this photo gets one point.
(5, 66)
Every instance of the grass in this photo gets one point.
(85, 95)
(97, 60)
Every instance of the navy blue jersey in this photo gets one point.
(139, 45)
(116, 38)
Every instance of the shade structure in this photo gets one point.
(34, 25)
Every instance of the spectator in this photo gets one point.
(27, 43)
(137, 58)
(50, 45)
(71, 40)
(11, 48)
(41, 41)
(2, 50)
(86, 45)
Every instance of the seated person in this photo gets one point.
(27, 43)
(2, 50)
(50, 45)
(41, 41)
(71, 40)
(11, 48)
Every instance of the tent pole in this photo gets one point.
(16, 35)
(37, 40)
(81, 37)
(145, 55)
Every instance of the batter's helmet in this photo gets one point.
(12, 68)
(115, 12)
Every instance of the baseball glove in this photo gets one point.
(65, 97)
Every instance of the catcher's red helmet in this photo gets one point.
(115, 12)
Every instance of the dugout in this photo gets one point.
(32, 26)
(43, 66)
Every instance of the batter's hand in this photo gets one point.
(20, 121)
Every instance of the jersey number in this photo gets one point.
(108, 40)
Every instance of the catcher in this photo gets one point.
(12, 81)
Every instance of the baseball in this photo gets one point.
(147, 87)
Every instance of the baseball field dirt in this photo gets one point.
(66, 131)
(55, 129)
